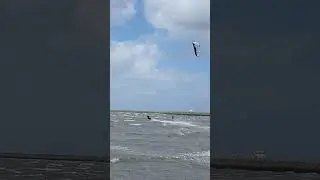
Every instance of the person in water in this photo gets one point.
(149, 117)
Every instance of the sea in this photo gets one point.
(172, 147)
(164, 148)
(169, 147)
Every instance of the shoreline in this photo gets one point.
(167, 112)
(265, 165)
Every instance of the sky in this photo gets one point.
(265, 78)
(152, 62)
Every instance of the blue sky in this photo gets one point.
(152, 62)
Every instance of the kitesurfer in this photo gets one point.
(196, 47)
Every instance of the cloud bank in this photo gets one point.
(142, 76)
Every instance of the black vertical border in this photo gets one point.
(107, 86)
(98, 14)
(296, 98)
(106, 89)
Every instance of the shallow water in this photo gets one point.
(171, 149)
(160, 148)
(163, 148)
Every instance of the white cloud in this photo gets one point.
(133, 59)
(121, 11)
(137, 80)
(180, 18)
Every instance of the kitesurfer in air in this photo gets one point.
(196, 45)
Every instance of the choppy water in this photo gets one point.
(171, 149)
(163, 148)
(160, 148)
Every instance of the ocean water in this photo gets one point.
(172, 149)
(162, 148)
(159, 149)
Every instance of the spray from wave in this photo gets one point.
(201, 158)
(179, 123)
